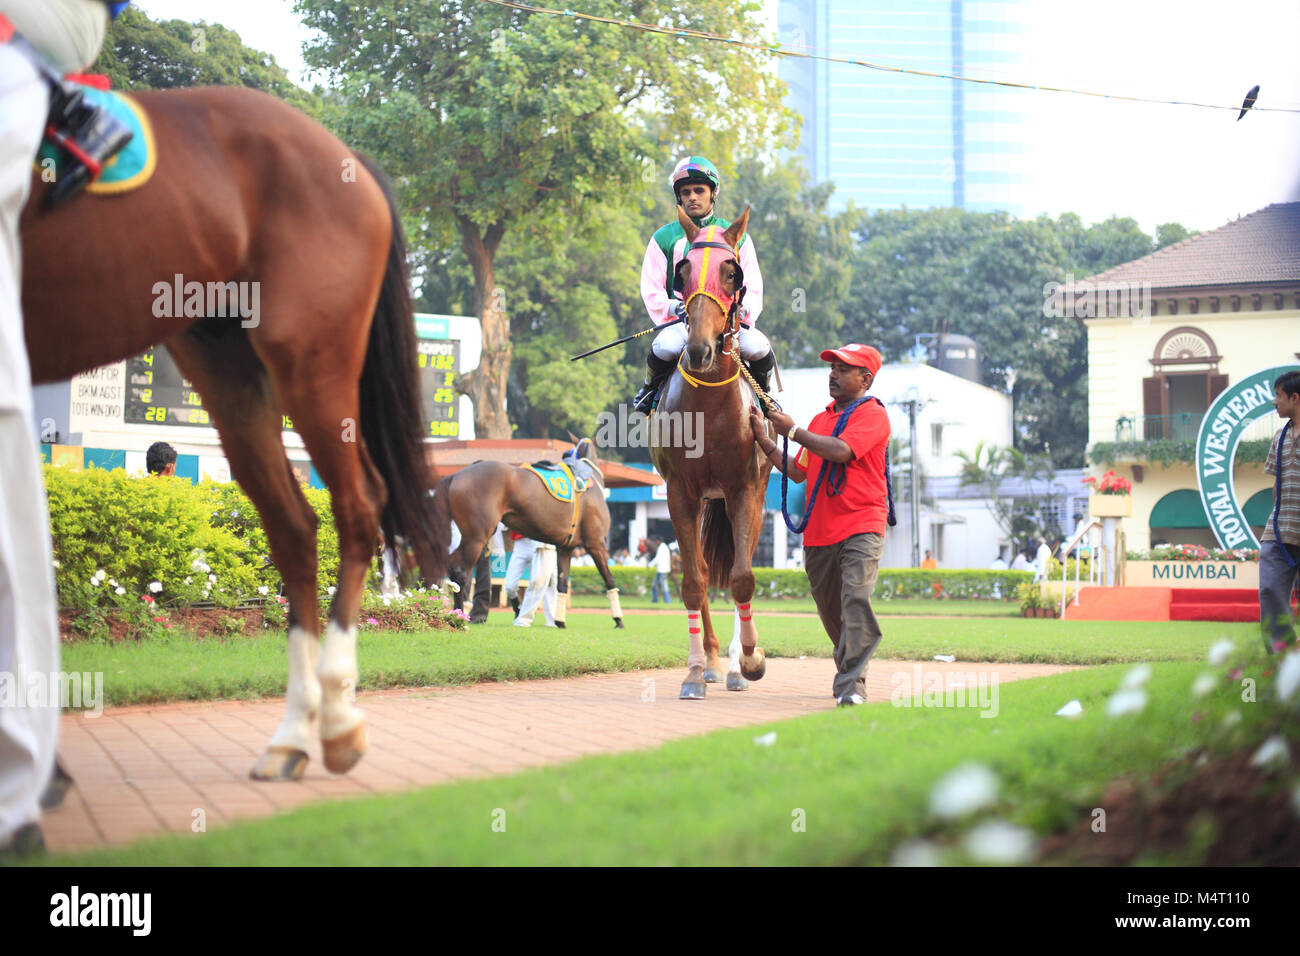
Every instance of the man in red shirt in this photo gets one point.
(849, 511)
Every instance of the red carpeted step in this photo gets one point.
(1214, 612)
(1120, 604)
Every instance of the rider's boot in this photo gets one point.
(659, 369)
(761, 369)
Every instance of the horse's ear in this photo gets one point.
(737, 229)
(689, 227)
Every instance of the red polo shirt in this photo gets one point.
(863, 505)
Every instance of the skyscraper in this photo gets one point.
(890, 139)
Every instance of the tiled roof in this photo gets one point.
(1263, 247)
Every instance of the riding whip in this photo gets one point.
(626, 338)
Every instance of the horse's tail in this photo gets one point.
(390, 407)
(717, 542)
(442, 508)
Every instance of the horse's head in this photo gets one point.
(712, 283)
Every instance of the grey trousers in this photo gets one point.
(843, 578)
(1276, 579)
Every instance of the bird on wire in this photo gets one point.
(1249, 101)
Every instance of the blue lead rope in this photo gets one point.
(1277, 497)
(833, 472)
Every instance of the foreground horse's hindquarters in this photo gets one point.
(715, 499)
(487, 492)
(249, 191)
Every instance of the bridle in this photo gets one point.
(729, 303)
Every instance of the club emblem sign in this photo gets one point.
(1216, 448)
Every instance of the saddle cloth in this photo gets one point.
(129, 169)
(559, 480)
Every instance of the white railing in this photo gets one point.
(1096, 558)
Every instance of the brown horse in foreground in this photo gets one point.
(726, 483)
(487, 492)
(247, 190)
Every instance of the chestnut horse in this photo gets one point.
(487, 492)
(248, 190)
(715, 500)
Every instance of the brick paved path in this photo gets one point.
(147, 769)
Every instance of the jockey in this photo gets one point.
(39, 40)
(695, 186)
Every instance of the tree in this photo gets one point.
(490, 117)
(1024, 516)
(144, 54)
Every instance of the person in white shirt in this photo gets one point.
(998, 564)
(663, 562)
(1020, 563)
(1042, 559)
(521, 556)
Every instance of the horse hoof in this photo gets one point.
(618, 624)
(736, 682)
(342, 753)
(280, 763)
(561, 625)
(756, 674)
(711, 676)
(693, 690)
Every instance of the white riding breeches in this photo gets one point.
(669, 343)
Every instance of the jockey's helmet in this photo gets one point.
(693, 169)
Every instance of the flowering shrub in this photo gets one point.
(418, 610)
(1110, 484)
(1193, 552)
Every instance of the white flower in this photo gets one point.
(100, 575)
(1288, 676)
(1072, 709)
(263, 590)
(212, 579)
(56, 563)
(1232, 718)
(196, 565)
(112, 583)
(204, 567)
(94, 582)
(187, 580)
(1136, 678)
(766, 740)
(916, 853)
(155, 587)
(1126, 702)
(388, 602)
(964, 790)
(1220, 651)
(332, 590)
(120, 591)
(996, 841)
(1203, 684)
(1273, 752)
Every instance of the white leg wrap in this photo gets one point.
(302, 704)
(615, 607)
(338, 680)
(695, 630)
(562, 607)
(733, 651)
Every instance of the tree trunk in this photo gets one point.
(486, 385)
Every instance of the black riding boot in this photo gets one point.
(761, 369)
(659, 369)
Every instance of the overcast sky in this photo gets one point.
(1094, 157)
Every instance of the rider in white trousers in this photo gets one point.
(69, 34)
(543, 587)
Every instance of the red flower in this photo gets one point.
(147, 597)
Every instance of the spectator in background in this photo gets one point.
(998, 564)
(929, 564)
(160, 459)
(521, 556)
(663, 564)
(1020, 562)
(543, 587)
(1042, 559)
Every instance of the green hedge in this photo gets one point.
(142, 530)
(892, 583)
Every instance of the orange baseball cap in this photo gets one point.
(861, 355)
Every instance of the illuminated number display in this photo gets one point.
(439, 361)
(157, 394)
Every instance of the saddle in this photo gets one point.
(564, 486)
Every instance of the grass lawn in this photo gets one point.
(179, 667)
(859, 780)
(897, 606)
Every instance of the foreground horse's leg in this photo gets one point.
(233, 383)
(746, 522)
(712, 666)
(357, 498)
(686, 523)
